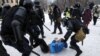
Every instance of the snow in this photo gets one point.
(91, 45)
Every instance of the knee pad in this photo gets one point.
(15, 23)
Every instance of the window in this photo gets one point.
(3, 1)
(7, 1)
(16, 1)
(11, 1)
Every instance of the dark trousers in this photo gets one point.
(22, 47)
(73, 43)
(20, 43)
(57, 25)
(41, 29)
(34, 35)
(51, 18)
(95, 20)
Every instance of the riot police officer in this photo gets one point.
(14, 25)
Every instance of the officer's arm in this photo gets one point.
(67, 35)
(43, 15)
(20, 15)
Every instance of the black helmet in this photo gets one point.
(27, 4)
(36, 3)
(7, 6)
(91, 5)
(21, 2)
(77, 5)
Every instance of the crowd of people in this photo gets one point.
(29, 18)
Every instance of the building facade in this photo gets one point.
(10, 2)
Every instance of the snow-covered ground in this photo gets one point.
(91, 45)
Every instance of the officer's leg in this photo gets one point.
(23, 47)
(26, 49)
(51, 21)
(44, 47)
(21, 43)
(34, 35)
(6, 40)
(75, 46)
(55, 27)
(94, 20)
(50, 17)
(59, 27)
(31, 40)
(16, 26)
(34, 41)
(42, 30)
(30, 31)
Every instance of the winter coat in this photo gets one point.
(57, 14)
(87, 15)
(77, 13)
(4, 10)
(0, 10)
(74, 25)
(15, 13)
(40, 15)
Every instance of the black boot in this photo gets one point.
(36, 44)
(53, 32)
(44, 47)
(72, 47)
(27, 51)
(43, 36)
(78, 53)
(8, 55)
(60, 33)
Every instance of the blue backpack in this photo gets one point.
(56, 47)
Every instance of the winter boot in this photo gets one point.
(53, 32)
(44, 47)
(43, 36)
(78, 53)
(27, 51)
(72, 47)
(36, 44)
(60, 33)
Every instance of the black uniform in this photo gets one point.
(76, 12)
(73, 26)
(40, 18)
(4, 10)
(91, 5)
(0, 10)
(57, 19)
(13, 28)
(34, 31)
(3, 51)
